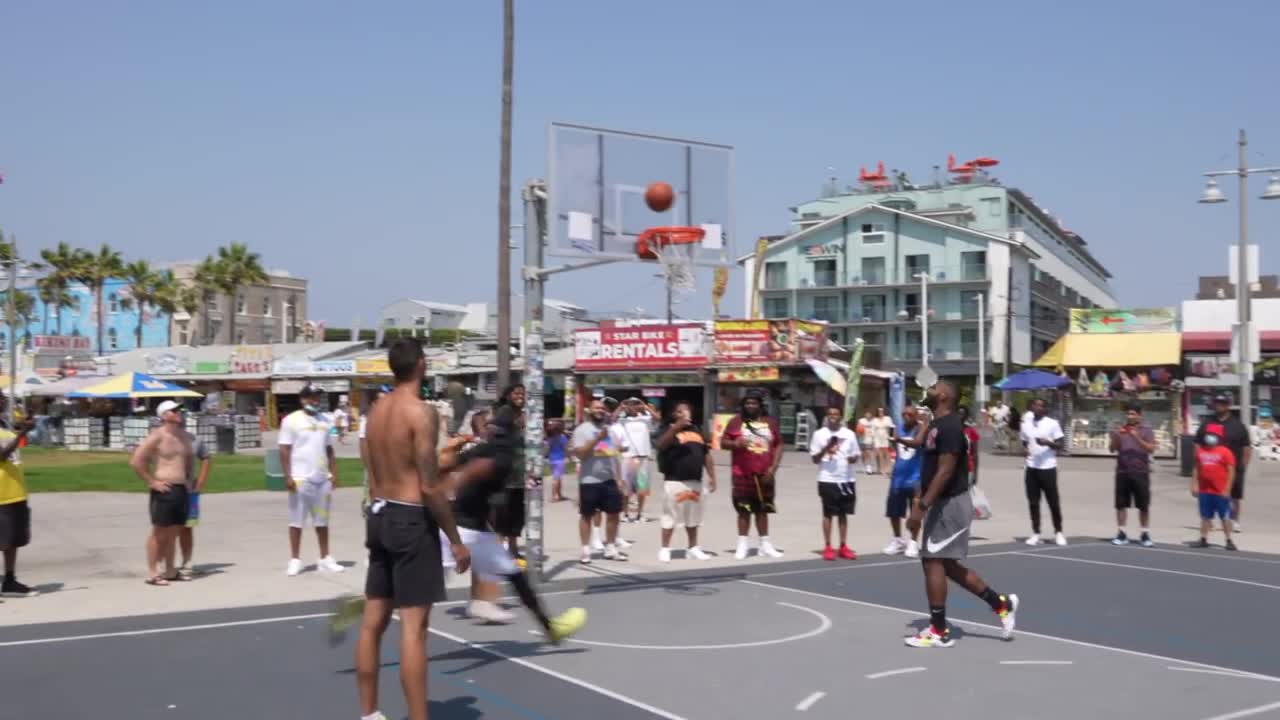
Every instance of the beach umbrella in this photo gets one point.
(133, 385)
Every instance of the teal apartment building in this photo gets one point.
(856, 260)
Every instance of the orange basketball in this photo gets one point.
(659, 196)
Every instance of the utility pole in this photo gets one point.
(504, 199)
(13, 327)
(924, 318)
(982, 350)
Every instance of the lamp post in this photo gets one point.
(924, 317)
(1212, 195)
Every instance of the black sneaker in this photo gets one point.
(1146, 540)
(1231, 545)
(12, 588)
(1120, 539)
(1201, 543)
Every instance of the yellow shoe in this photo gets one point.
(566, 624)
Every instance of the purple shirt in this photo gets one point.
(1132, 457)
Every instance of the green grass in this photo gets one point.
(53, 470)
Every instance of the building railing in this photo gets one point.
(859, 278)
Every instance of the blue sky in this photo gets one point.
(356, 144)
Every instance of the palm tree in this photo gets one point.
(141, 279)
(24, 310)
(62, 263)
(94, 271)
(172, 297)
(207, 282)
(237, 267)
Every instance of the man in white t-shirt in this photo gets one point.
(310, 474)
(998, 417)
(636, 423)
(341, 420)
(1043, 439)
(834, 449)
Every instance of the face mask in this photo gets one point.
(311, 408)
(1210, 440)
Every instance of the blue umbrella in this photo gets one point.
(1032, 380)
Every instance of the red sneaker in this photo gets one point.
(828, 554)
(847, 554)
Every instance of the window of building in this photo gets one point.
(827, 308)
(240, 304)
(969, 304)
(775, 276)
(184, 337)
(240, 337)
(873, 233)
(113, 304)
(389, 322)
(873, 270)
(993, 206)
(824, 273)
(266, 307)
(969, 342)
(910, 345)
(973, 265)
(873, 308)
(4, 340)
(776, 308)
(916, 265)
(419, 320)
(113, 339)
(267, 335)
(910, 306)
(873, 339)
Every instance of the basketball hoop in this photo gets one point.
(675, 248)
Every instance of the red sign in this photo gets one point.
(60, 342)
(658, 347)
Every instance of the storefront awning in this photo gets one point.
(1220, 341)
(1113, 350)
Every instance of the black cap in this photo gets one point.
(1222, 398)
(310, 390)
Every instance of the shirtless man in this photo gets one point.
(410, 506)
(164, 462)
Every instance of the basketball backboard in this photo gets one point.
(596, 181)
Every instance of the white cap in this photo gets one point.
(165, 407)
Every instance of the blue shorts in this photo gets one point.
(1211, 505)
(899, 502)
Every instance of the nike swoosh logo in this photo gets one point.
(934, 547)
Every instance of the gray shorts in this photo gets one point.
(945, 535)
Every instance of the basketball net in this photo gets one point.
(677, 265)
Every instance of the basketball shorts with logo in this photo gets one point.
(681, 503)
(310, 499)
(405, 563)
(945, 535)
(837, 498)
(753, 495)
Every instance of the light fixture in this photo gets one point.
(1273, 189)
(1212, 194)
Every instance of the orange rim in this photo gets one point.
(662, 236)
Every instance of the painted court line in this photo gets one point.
(885, 563)
(1247, 712)
(561, 676)
(808, 702)
(1224, 673)
(1037, 662)
(1069, 641)
(1157, 570)
(824, 624)
(1202, 554)
(157, 631)
(891, 673)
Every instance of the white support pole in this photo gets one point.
(982, 351)
(924, 319)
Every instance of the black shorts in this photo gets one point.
(602, 497)
(171, 507)
(837, 498)
(404, 555)
(1237, 487)
(898, 504)
(1133, 490)
(508, 516)
(753, 496)
(15, 524)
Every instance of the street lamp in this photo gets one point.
(924, 316)
(1212, 195)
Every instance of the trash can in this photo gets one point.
(226, 439)
(271, 466)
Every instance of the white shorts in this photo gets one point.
(681, 503)
(635, 474)
(490, 560)
(310, 498)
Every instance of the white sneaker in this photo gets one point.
(611, 552)
(1009, 618)
(1060, 539)
(597, 540)
(697, 553)
(741, 552)
(913, 549)
(664, 554)
(768, 550)
(293, 568)
(1033, 540)
(895, 546)
(585, 559)
(624, 543)
(1235, 527)
(328, 564)
(489, 612)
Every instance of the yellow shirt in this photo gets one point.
(13, 486)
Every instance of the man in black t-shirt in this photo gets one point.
(1235, 437)
(683, 456)
(481, 484)
(946, 513)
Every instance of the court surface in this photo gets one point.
(1104, 632)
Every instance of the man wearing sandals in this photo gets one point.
(164, 462)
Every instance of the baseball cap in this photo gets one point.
(310, 390)
(166, 406)
(1222, 398)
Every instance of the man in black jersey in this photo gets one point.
(946, 513)
(481, 491)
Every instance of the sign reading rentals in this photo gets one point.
(769, 341)
(641, 346)
(60, 343)
(1149, 320)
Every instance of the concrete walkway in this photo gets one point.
(87, 548)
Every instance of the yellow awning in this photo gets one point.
(1113, 350)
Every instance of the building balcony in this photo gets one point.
(909, 316)
(904, 277)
